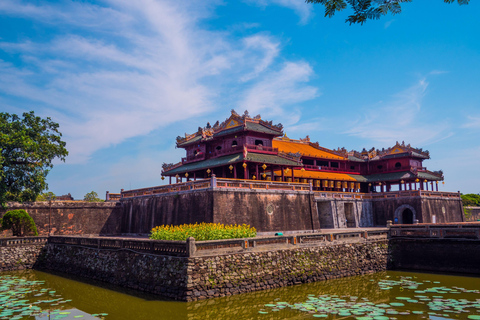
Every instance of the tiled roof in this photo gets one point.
(304, 148)
(307, 174)
(251, 126)
(428, 176)
(193, 140)
(418, 155)
(230, 159)
(270, 159)
(353, 158)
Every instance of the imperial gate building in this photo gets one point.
(246, 170)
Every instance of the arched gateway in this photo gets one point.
(405, 214)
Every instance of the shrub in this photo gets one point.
(20, 222)
(471, 200)
(202, 231)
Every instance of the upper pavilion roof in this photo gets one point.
(305, 148)
(235, 123)
(397, 151)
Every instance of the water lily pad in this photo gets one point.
(396, 304)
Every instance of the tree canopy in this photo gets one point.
(46, 196)
(92, 197)
(28, 146)
(471, 200)
(367, 9)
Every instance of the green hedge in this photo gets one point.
(202, 231)
(20, 222)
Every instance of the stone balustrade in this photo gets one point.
(192, 248)
(464, 230)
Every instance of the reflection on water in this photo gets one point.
(380, 296)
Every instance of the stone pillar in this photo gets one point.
(191, 247)
(213, 181)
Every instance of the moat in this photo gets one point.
(380, 296)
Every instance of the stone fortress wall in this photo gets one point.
(267, 206)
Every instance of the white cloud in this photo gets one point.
(269, 51)
(302, 9)
(399, 119)
(473, 122)
(144, 64)
(280, 89)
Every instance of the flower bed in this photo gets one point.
(202, 231)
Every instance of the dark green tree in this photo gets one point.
(364, 10)
(20, 222)
(92, 197)
(27, 147)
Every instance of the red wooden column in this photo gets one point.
(272, 174)
(194, 176)
(245, 175)
(170, 180)
(400, 186)
(293, 176)
(437, 185)
(283, 175)
(256, 171)
(235, 171)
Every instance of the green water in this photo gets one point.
(382, 296)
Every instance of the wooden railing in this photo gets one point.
(463, 230)
(330, 169)
(251, 147)
(192, 248)
(193, 158)
(7, 242)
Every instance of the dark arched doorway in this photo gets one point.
(407, 216)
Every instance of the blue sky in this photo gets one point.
(125, 78)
